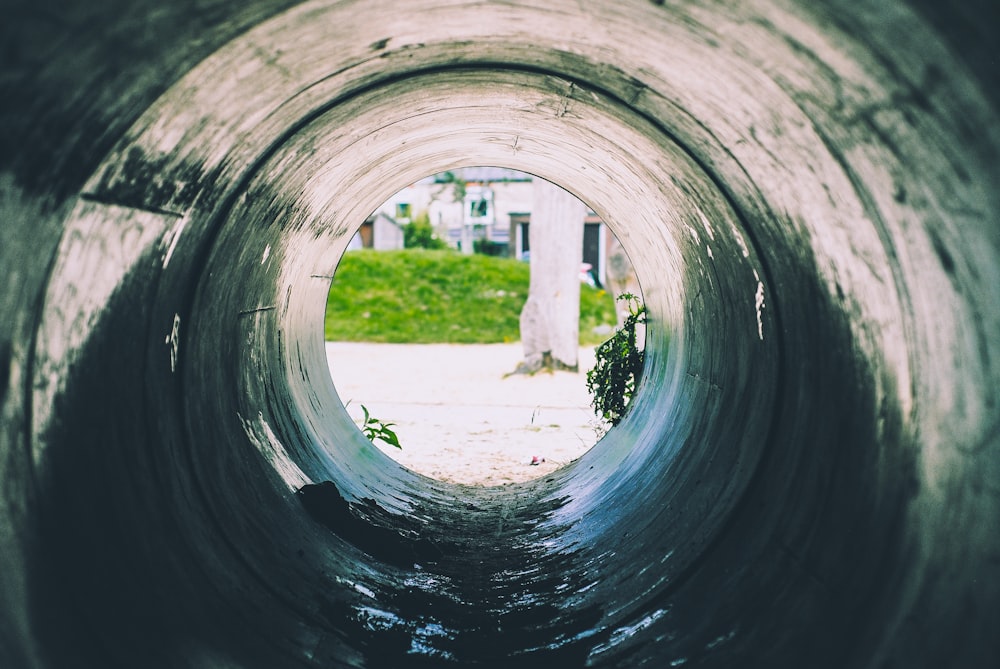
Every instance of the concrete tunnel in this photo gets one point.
(809, 476)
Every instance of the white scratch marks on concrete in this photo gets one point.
(175, 236)
(267, 442)
(173, 341)
(759, 305)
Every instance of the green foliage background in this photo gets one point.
(419, 233)
(440, 296)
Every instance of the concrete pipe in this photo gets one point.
(808, 477)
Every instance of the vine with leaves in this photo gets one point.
(619, 361)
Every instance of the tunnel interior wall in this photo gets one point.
(808, 476)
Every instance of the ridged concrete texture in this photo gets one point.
(810, 476)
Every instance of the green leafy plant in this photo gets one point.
(488, 247)
(419, 233)
(373, 428)
(618, 368)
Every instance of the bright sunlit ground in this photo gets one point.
(458, 418)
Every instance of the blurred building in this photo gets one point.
(482, 209)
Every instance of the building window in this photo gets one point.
(479, 208)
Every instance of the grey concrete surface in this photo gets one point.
(808, 192)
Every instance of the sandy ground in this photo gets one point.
(458, 417)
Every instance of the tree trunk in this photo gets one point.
(550, 319)
(620, 277)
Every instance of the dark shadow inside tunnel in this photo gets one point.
(805, 477)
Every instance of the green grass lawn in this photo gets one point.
(422, 296)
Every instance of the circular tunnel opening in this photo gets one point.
(538, 557)
(424, 341)
(446, 571)
(515, 554)
(775, 488)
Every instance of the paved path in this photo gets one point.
(458, 417)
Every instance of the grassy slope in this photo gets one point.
(415, 295)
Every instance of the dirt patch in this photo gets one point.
(460, 415)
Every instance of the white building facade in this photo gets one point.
(477, 208)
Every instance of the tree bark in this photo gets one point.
(550, 318)
(620, 277)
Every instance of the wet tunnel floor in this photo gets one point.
(482, 592)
